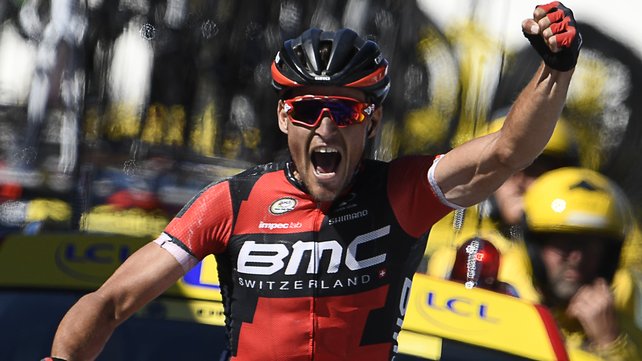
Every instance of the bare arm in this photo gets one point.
(87, 326)
(471, 172)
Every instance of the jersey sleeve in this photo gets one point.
(415, 201)
(202, 227)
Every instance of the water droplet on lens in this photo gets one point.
(148, 31)
(129, 167)
(209, 29)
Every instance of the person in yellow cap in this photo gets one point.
(575, 223)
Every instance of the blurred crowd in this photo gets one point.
(114, 113)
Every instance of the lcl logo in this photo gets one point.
(101, 253)
(92, 262)
(460, 306)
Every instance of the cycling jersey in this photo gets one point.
(303, 280)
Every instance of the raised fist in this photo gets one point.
(553, 33)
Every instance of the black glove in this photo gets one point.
(565, 31)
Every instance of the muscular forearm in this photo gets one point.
(87, 326)
(553, 34)
(532, 118)
(477, 168)
(85, 329)
(470, 172)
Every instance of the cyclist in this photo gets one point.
(316, 254)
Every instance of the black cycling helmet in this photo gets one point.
(339, 58)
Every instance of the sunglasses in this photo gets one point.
(308, 110)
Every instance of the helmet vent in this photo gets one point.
(324, 55)
(584, 185)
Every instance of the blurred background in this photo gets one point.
(114, 113)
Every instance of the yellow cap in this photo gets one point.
(577, 200)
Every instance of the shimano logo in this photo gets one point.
(270, 258)
(270, 226)
(348, 217)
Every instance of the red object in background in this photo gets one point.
(126, 199)
(10, 191)
(477, 264)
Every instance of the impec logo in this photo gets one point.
(271, 226)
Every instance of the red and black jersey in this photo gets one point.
(302, 280)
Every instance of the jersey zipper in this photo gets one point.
(321, 207)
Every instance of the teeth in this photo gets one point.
(326, 150)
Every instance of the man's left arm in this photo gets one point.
(469, 173)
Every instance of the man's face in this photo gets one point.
(571, 261)
(326, 155)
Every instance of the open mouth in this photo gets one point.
(325, 160)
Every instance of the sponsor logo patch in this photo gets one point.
(271, 226)
(282, 205)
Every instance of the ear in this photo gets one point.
(282, 117)
(374, 122)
